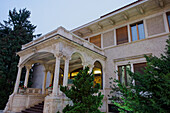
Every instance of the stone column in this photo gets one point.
(90, 68)
(56, 75)
(84, 65)
(66, 70)
(51, 79)
(44, 83)
(27, 75)
(18, 78)
(51, 69)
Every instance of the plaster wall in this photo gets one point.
(154, 46)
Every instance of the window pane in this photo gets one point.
(134, 33)
(127, 75)
(169, 19)
(121, 73)
(96, 40)
(141, 31)
(121, 35)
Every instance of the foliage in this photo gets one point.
(151, 93)
(85, 97)
(23, 87)
(14, 32)
(50, 86)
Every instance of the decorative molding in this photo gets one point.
(99, 26)
(89, 30)
(131, 57)
(160, 3)
(112, 22)
(80, 34)
(140, 10)
(125, 16)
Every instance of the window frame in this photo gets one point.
(137, 29)
(168, 14)
(117, 38)
(125, 73)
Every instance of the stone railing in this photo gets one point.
(33, 91)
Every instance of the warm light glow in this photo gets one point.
(97, 71)
(74, 74)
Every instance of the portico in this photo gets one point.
(62, 57)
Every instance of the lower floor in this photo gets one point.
(58, 61)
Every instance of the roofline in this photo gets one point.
(121, 8)
(59, 35)
(111, 14)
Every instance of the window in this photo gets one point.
(139, 67)
(98, 75)
(137, 31)
(168, 17)
(122, 35)
(96, 40)
(123, 75)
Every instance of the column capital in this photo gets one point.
(58, 55)
(28, 66)
(90, 65)
(51, 68)
(67, 58)
(20, 65)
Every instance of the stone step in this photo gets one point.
(35, 109)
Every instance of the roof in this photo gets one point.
(110, 14)
(121, 8)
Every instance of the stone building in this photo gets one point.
(114, 42)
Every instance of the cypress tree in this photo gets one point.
(14, 32)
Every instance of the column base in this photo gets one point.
(55, 103)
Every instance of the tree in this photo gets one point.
(14, 32)
(151, 93)
(85, 97)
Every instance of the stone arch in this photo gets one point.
(29, 57)
(80, 54)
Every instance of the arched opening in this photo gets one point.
(75, 65)
(38, 60)
(98, 74)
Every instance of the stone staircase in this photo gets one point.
(35, 109)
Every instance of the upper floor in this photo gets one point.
(137, 21)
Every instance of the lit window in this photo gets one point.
(124, 77)
(97, 71)
(137, 31)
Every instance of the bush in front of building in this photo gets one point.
(150, 91)
(86, 98)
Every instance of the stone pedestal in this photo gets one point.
(18, 102)
(55, 103)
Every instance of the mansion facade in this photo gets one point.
(114, 42)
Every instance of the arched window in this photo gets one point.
(98, 74)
